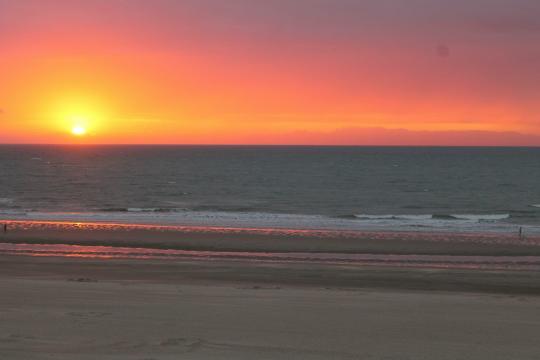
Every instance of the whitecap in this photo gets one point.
(436, 217)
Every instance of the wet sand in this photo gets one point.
(84, 306)
(268, 240)
(79, 308)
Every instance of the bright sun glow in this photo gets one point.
(78, 130)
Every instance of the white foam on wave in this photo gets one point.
(440, 217)
(393, 217)
(142, 209)
(482, 217)
(7, 213)
(536, 205)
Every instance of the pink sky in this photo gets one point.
(259, 71)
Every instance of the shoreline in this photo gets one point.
(364, 255)
(197, 238)
(496, 223)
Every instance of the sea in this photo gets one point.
(458, 189)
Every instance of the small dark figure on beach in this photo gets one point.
(520, 233)
(5, 228)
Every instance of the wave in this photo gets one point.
(199, 208)
(13, 212)
(485, 217)
(225, 208)
(535, 205)
(442, 217)
(6, 201)
(8, 205)
(247, 214)
(349, 217)
(142, 210)
(181, 217)
(391, 217)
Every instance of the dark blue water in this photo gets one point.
(382, 185)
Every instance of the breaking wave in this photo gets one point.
(142, 210)
(6, 201)
(443, 217)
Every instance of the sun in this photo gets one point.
(79, 125)
(78, 130)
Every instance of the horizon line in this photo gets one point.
(269, 145)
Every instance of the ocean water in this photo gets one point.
(382, 188)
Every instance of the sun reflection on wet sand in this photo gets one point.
(417, 261)
(476, 238)
(142, 241)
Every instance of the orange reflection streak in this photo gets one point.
(135, 246)
(94, 227)
(409, 261)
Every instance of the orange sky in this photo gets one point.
(424, 72)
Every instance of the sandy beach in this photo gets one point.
(80, 308)
(116, 291)
(269, 180)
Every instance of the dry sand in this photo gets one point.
(66, 308)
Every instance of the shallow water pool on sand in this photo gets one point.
(419, 261)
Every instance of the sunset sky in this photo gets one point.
(373, 72)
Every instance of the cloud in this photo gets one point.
(403, 137)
